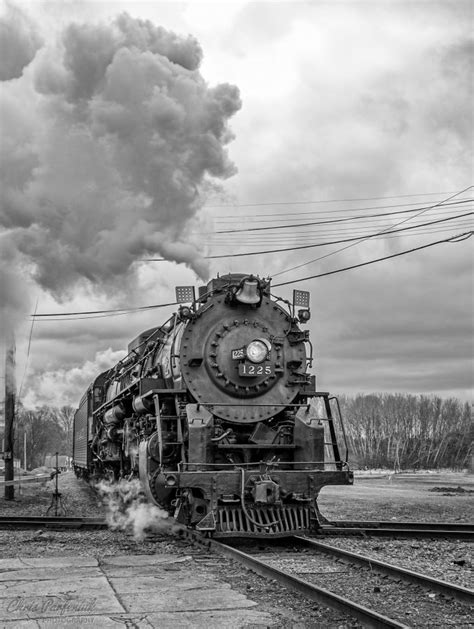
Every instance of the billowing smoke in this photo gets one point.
(19, 42)
(127, 510)
(109, 134)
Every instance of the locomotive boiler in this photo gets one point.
(216, 413)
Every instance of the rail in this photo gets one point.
(448, 589)
(51, 522)
(464, 531)
(369, 617)
(25, 479)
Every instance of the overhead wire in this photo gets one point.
(312, 202)
(320, 230)
(336, 220)
(391, 230)
(454, 239)
(312, 237)
(320, 244)
(117, 311)
(123, 311)
(313, 245)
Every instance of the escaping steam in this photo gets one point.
(109, 134)
(127, 510)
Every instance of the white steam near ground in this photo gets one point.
(127, 510)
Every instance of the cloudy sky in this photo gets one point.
(192, 132)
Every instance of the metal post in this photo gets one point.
(9, 416)
(24, 447)
(57, 494)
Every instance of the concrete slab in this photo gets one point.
(44, 574)
(144, 560)
(202, 599)
(137, 583)
(17, 563)
(212, 620)
(196, 620)
(165, 591)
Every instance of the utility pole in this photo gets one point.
(10, 391)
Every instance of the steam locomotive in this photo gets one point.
(216, 414)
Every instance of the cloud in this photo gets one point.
(341, 101)
(19, 42)
(119, 134)
(398, 326)
(61, 387)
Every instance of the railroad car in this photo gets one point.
(217, 413)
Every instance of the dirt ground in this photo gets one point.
(422, 496)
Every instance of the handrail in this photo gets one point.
(341, 422)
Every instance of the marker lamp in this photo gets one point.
(304, 316)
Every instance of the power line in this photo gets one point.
(320, 231)
(260, 218)
(335, 220)
(315, 237)
(327, 255)
(117, 312)
(457, 238)
(103, 313)
(313, 202)
(324, 244)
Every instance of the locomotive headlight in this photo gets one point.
(171, 480)
(257, 350)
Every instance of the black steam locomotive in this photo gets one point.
(216, 414)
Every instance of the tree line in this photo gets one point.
(44, 431)
(396, 431)
(402, 431)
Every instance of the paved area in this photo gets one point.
(132, 591)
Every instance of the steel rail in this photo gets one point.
(444, 526)
(56, 522)
(398, 531)
(368, 617)
(460, 593)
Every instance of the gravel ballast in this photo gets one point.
(370, 499)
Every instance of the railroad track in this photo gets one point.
(342, 527)
(324, 573)
(50, 522)
(400, 529)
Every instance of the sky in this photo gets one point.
(133, 131)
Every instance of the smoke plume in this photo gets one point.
(127, 510)
(19, 42)
(109, 133)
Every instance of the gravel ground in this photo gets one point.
(368, 499)
(404, 602)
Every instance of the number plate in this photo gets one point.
(249, 370)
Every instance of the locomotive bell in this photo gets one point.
(249, 292)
